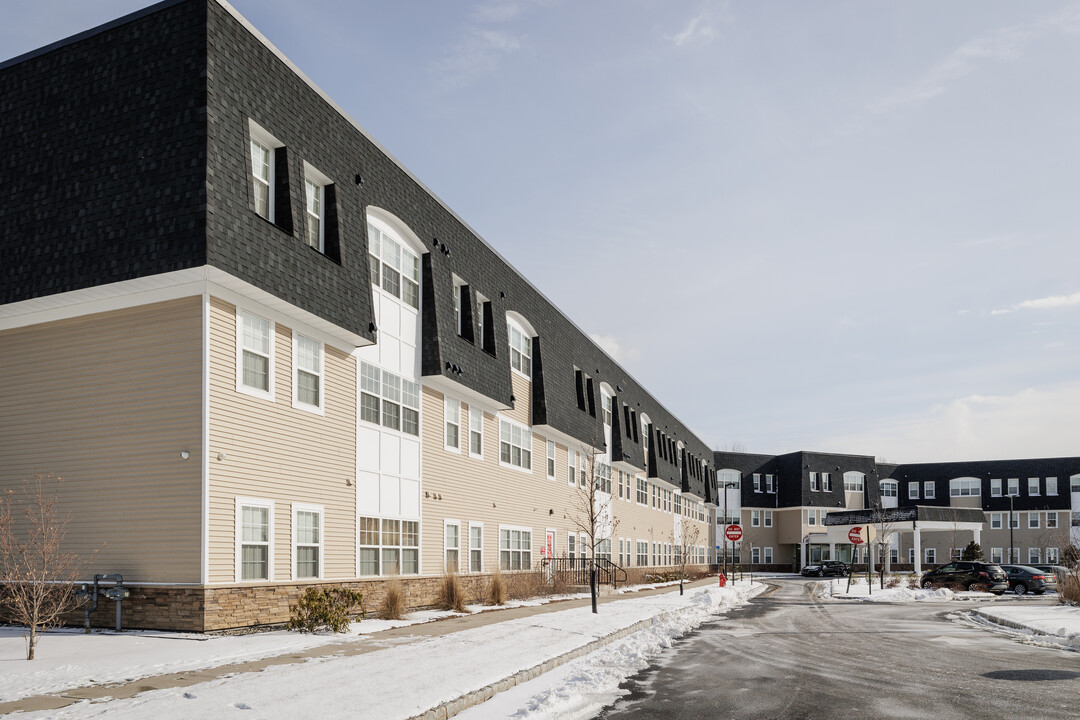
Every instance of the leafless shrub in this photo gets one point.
(892, 581)
(451, 594)
(526, 585)
(37, 578)
(1068, 586)
(392, 606)
(496, 594)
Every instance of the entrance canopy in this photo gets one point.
(927, 518)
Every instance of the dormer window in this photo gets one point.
(520, 349)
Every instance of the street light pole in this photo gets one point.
(1011, 527)
(725, 528)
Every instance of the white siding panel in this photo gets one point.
(390, 492)
(391, 454)
(410, 458)
(410, 498)
(367, 493)
(367, 440)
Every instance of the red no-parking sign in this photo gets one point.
(733, 533)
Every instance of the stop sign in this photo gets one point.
(855, 535)
(733, 533)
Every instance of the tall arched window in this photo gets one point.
(853, 481)
(520, 335)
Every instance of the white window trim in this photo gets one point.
(448, 402)
(510, 347)
(319, 409)
(927, 553)
(319, 179)
(480, 412)
(913, 490)
(471, 548)
(551, 453)
(519, 528)
(242, 502)
(524, 428)
(995, 487)
(1046, 523)
(301, 507)
(929, 490)
(1037, 488)
(457, 524)
(271, 143)
(767, 518)
(1034, 521)
(767, 555)
(996, 517)
(1051, 484)
(999, 553)
(240, 386)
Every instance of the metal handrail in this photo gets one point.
(575, 570)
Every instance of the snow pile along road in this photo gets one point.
(860, 591)
(423, 672)
(1051, 626)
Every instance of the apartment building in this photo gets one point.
(795, 508)
(262, 355)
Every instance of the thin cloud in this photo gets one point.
(1004, 45)
(476, 55)
(501, 11)
(610, 345)
(1036, 422)
(698, 31)
(1047, 303)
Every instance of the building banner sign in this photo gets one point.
(869, 517)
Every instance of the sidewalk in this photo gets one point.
(429, 670)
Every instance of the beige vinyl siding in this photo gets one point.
(108, 401)
(467, 489)
(522, 410)
(279, 453)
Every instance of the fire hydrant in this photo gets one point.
(723, 579)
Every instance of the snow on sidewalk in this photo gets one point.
(410, 678)
(69, 658)
(1053, 625)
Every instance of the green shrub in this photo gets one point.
(325, 608)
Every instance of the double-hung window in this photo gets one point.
(476, 547)
(815, 483)
(965, 487)
(389, 400)
(888, 488)
(1014, 486)
(767, 518)
(307, 378)
(1051, 519)
(254, 536)
(826, 482)
(520, 350)
(1033, 520)
(995, 521)
(452, 417)
(394, 267)
(755, 518)
(1051, 486)
(515, 548)
(757, 482)
(642, 491)
(313, 209)
(389, 546)
(307, 541)
(452, 545)
(929, 490)
(515, 445)
(770, 487)
(255, 351)
(1033, 486)
(913, 491)
(551, 460)
(476, 432)
(262, 164)
(995, 487)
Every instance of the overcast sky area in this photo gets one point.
(836, 226)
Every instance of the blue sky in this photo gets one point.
(845, 226)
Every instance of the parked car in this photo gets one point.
(828, 567)
(1025, 578)
(968, 575)
(1058, 571)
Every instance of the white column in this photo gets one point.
(802, 552)
(832, 551)
(918, 551)
(978, 533)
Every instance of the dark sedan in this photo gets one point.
(1024, 579)
(828, 567)
(969, 576)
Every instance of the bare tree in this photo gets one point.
(684, 544)
(590, 511)
(736, 446)
(37, 577)
(886, 527)
(954, 534)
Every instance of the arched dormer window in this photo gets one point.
(393, 259)
(520, 334)
(853, 481)
(965, 487)
(606, 403)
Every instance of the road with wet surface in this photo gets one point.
(790, 655)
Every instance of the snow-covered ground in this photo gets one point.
(838, 588)
(395, 681)
(69, 658)
(1048, 626)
